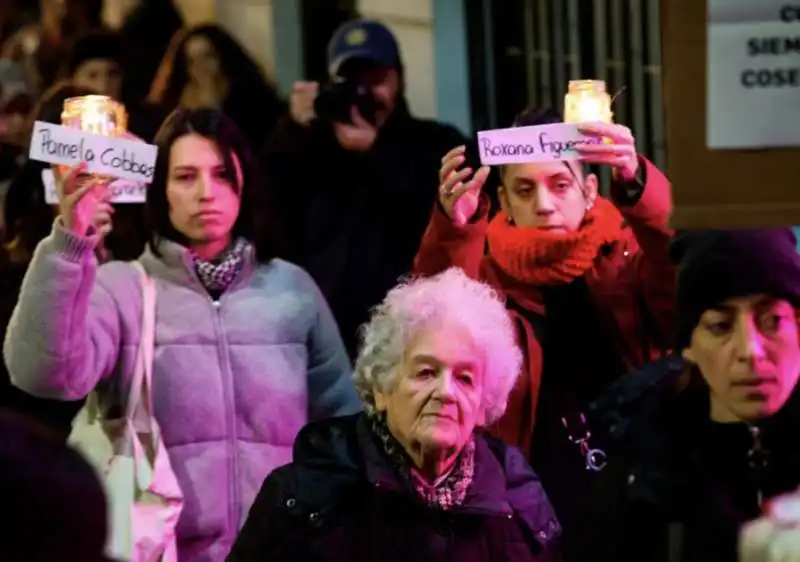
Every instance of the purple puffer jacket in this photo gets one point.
(234, 379)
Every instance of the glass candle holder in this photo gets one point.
(586, 101)
(100, 115)
(95, 114)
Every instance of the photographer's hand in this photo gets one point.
(301, 104)
(358, 136)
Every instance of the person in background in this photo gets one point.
(52, 502)
(413, 477)
(246, 353)
(16, 103)
(354, 196)
(587, 279)
(41, 47)
(29, 219)
(98, 62)
(159, 21)
(711, 453)
(206, 67)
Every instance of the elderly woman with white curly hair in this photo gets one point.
(413, 477)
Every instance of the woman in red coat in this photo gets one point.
(588, 281)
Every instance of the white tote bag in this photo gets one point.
(144, 498)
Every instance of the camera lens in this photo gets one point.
(333, 103)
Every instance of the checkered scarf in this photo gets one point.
(217, 275)
(446, 493)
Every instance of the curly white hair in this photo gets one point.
(415, 304)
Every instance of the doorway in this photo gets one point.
(320, 19)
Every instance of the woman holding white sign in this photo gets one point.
(29, 210)
(587, 280)
(246, 350)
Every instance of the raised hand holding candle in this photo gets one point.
(94, 131)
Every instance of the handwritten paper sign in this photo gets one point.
(541, 143)
(122, 190)
(113, 156)
(753, 69)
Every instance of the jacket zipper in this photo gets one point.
(758, 459)
(230, 407)
(228, 395)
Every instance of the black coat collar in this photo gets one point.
(335, 458)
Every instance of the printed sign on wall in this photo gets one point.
(753, 67)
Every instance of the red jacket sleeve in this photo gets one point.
(445, 245)
(649, 219)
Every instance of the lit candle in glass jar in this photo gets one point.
(95, 114)
(100, 115)
(95, 121)
(587, 101)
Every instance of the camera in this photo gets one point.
(334, 101)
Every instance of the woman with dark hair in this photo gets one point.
(587, 279)
(246, 353)
(206, 67)
(701, 460)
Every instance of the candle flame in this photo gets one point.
(587, 101)
(95, 114)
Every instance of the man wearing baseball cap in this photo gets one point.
(355, 174)
(364, 40)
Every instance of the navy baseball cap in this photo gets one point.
(368, 40)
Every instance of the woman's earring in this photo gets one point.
(589, 205)
(510, 220)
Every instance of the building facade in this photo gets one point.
(472, 63)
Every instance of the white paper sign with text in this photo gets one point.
(540, 143)
(753, 66)
(122, 190)
(113, 156)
